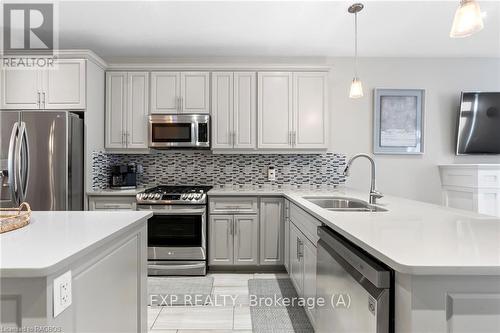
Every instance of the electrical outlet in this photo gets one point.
(62, 293)
(271, 173)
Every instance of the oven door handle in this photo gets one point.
(177, 211)
(187, 266)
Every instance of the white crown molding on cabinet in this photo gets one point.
(82, 54)
(216, 67)
(67, 54)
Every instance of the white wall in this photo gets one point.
(415, 177)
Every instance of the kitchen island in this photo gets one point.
(102, 255)
(446, 261)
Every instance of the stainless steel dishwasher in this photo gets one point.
(356, 288)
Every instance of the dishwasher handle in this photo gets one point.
(378, 275)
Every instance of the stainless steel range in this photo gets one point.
(177, 231)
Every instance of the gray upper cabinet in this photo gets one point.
(292, 110)
(271, 231)
(195, 92)
(127, 110)
(310, 116)
(246, 239)
(234, 112)
(165, 92)
(61, 87)
(180, 92)
(21, 89)
(274, 110)
(222, 110)
(64, 85)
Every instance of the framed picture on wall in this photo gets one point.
(398, 121)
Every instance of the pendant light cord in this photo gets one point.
(356, 44)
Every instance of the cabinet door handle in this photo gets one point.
(38, 100)
(43, 99)
(294, 138)
(182, 104)
(299, 249)
(297, 243)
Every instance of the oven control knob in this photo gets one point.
(190, 196)
(157, 196)
(184, 197)
(151, 196)
(197, 196)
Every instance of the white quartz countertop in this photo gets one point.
(54, 239)
(412, 237)
(116, 192)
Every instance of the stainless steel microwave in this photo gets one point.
(188, 131)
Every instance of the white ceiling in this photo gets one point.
(271, 29)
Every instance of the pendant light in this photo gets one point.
(356, 90)
(467, 19)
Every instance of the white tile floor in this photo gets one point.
(211, 319)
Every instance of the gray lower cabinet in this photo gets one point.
(272, 230)
(309, 288)
(233, 240)
(287, 236)
(296, 266)
(246, 239)
(302, 267)
(221, 250)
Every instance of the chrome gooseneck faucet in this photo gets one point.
(374, 194)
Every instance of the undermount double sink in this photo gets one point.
(341, 204)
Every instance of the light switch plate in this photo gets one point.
(62, 293)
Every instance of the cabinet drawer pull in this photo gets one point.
(111, 205)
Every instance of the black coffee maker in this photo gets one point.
(123, 177)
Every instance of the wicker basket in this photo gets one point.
(14, 218)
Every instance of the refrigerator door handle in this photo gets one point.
(21, 170)
(11, 164)
(26, 164)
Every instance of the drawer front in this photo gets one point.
(489, 178)
(231, 205)
(306, 223)
(112, 203)
(458, 177)
(470, 177)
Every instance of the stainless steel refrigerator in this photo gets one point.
(41, 159)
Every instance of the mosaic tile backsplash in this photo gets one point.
(205, 168)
